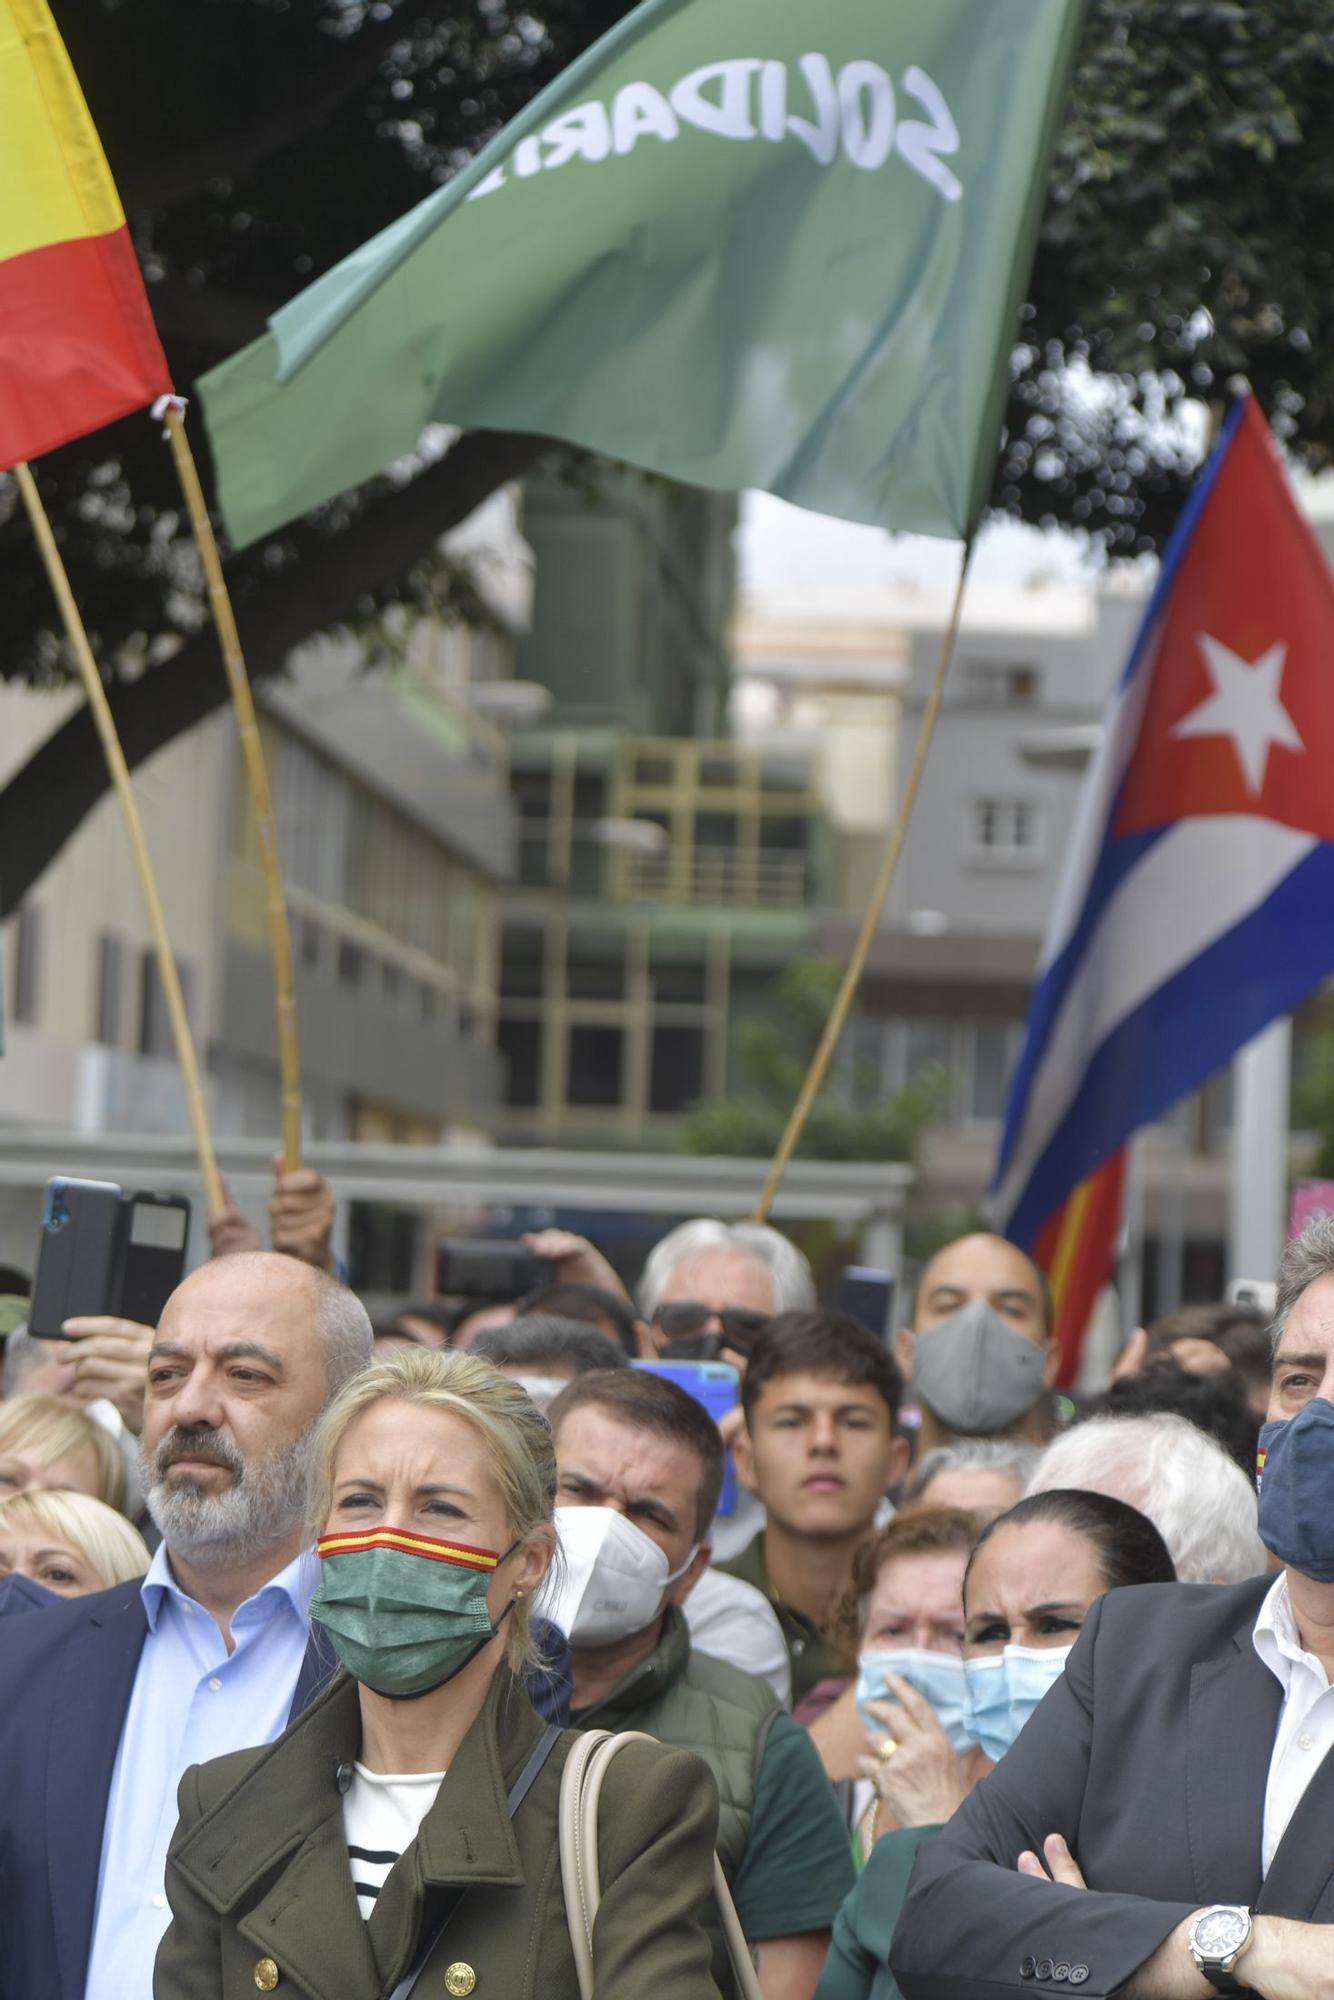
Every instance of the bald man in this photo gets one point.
(108, 1699)
(979, 1357)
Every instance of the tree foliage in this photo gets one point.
(851, 1118)
(1189, 236)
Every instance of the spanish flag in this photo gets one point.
(78, 347)
(1077, 1250)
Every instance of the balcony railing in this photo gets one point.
(719, 878)
(596, 868)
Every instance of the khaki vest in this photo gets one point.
(693, 1702)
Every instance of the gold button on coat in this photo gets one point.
(460, 1979)
(266, 1975)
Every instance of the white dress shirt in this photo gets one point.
(1306, 1720)
(192, 1700)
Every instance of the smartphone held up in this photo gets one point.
(103, 1251)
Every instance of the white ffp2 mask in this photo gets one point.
(612, 1578)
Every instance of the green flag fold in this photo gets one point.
(738, 242)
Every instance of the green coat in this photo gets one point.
(259, 1880)
(857, 1967)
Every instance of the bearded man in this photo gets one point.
(109, 1699)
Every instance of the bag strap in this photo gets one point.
(518, 1792)
(581, 1789)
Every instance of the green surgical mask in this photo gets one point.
(404, 1612)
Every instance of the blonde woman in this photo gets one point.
(68, 1543)
(387, 1840)
(45, 1444)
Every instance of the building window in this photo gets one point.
(677, 1077)
(930, 1045)
(1003, 832)
(311, 944)
(595, 1067)
(520, 1045)
(650, 770)
(351, 959)
(521, 958)
(27, 965)
(996, 682)
(110, 988)
(993, 1048)
(312, 814)
(589, 978)
(155, 1038)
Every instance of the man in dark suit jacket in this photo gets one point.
(1178, 1764)
(66, 1677)
(105, 1699)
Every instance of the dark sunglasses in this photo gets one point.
(740, 1327)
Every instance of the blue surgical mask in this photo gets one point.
(1003, 1691)
(937, 1677)
(1296, 1460)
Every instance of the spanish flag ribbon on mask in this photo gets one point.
(357, 1541)
(78, 347)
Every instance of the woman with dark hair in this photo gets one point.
(1030, 1583)
(1028, 1588)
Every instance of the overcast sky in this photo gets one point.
(783, 551)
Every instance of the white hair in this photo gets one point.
(1197, 1497)
(1008, 1455)
(1306, 1259)
(790, 1274)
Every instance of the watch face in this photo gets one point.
(1220, 1932)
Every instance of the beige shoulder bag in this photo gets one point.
(580, 1790)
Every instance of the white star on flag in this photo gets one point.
(1244, 705)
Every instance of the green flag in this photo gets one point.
(739, 242)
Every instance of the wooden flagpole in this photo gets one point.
(852, 978)
(257, 779)
(120, 778)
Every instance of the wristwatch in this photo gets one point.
(1217, 1939)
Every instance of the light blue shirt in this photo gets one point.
(192, 1700)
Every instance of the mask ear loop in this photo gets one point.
(677, 1574)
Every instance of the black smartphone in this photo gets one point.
(868, 1295)
(105, 1252)
(475, 1267)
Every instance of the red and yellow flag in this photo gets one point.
(1076, 1247)
(78, 347)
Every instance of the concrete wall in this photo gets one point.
(982, 749)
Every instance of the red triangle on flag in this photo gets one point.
(1239, 712)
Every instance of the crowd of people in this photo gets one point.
(969, 1687)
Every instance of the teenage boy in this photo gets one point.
(820, 1450)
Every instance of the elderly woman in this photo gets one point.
(45, 1444)
(985, 1476)
(67, 1543)
(1030, 1584)
(403, 1831)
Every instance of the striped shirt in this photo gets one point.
(381, 1815)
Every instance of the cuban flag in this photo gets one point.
(1197, 903)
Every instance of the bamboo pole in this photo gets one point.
(847, 992)
(257, 780)
(120, 778)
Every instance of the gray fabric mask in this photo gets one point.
(976, 1373)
